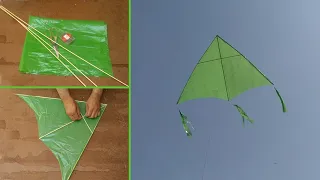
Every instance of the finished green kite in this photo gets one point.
(66, 139)
(223, 73)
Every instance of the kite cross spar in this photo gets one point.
(224, 73)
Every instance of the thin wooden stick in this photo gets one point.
(56, 129)
(86, 123)
(53, 54)
(8, 12)
(57, 54)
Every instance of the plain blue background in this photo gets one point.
(281, 38)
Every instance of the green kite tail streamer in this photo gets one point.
(184, 123)
(284, 109)
(244, 115)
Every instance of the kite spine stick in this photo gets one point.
(86, 123)
(56, 129)
(16, 17)
(224, 77)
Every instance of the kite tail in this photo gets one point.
(284, 109)
(244, 115)
(185, 124)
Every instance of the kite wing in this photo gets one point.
(65, 138)
(224, 73)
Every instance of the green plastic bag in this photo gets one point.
(91, 43)
(66, 139)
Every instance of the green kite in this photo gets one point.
(91, 43)
(224, 73)
(65, 138)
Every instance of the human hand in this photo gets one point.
(93, 106)
(72, 109)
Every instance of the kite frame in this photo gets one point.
(67, 125)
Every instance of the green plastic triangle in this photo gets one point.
(206, 81)
(225, 49)
(212, 53)
(241, 76)
(65, 138)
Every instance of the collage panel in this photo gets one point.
(64, 43)
(50, 134)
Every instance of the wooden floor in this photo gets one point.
(12, 36)
(24, 157)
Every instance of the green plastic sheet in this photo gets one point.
(224, 73)
(91, 43)
(66, 139)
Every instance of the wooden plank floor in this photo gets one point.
(12, 36)
(24, 157)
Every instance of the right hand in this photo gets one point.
(72, 109)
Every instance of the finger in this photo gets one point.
(78, 117)
(91, 116)
(95, 115)
(98, 112)
(87, 110)
(90, 112)
(78, 110)
(79, 114)
(72, 117)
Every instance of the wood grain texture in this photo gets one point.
(24, 157)
(12, 36)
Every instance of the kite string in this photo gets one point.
(30, 31)
(205, 160)
(6, 10)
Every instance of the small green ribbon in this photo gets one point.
(244, 115)
(185, 124)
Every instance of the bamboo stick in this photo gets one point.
(12, 14)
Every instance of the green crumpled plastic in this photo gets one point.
(91, 43)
